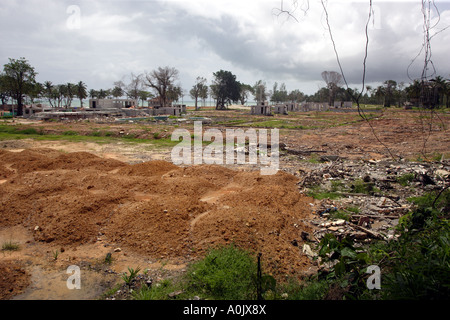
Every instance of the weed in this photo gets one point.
(108, 259)
(354, 210)
(406, 179)
(95, 134)
(319, 193)
(360, 186)
(10, 246)
(339, 214)
(128, 278)
(55, 254)
(159, 291)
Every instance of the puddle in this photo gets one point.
(52, 285)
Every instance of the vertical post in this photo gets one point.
(259, 279)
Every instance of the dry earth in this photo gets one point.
(71, 203)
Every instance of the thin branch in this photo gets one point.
(281, 11)
(360, 111)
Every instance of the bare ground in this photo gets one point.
(71, 203)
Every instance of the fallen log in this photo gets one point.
(371, 233)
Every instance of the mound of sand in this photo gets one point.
(154, 208)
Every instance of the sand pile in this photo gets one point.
(154, 208)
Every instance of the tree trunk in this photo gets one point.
(19, 106)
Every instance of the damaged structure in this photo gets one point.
(112, 103)
(262, 108)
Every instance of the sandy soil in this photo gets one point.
(82, 200)
(84, 206)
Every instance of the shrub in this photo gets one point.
(226, 273)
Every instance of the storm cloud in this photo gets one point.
(100, 42)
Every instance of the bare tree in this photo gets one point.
(133, 88)
(161, 80)
(333, 80)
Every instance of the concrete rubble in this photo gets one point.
(367, 197)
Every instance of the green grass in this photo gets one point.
(320, 194)
(158, 291)
(340, 214)
(406, 179)
(10, 246)
(16, 133)
(279, 124)
(226, 273)
(360, 186)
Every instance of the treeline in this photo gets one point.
(18, 82)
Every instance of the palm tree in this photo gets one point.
(93, 93)
(440, 87)
(413, 92)
(48, 86)
(81, 92)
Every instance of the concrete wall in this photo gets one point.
(112, 103)
(280, 109)
(264, 110)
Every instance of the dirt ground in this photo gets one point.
(72, 203)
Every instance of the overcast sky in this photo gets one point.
(103, 41)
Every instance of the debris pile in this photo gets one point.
(364, 199)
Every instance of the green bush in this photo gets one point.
(226, 273)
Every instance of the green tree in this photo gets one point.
(117, 91)
(144, 95)
(390, 87)
(48, 92)
(4, 89)
(20, 80)
(296, 96)
(93, 94)
(199, 91)
(68, 92)
(174, 93)
(246, 89)
(102, 94)
(81, 92)
(225, 89)
(440, 89)
(36, 91)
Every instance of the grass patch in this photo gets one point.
(360, 186)
(226, 273)
(8, 132)
(319, 193)
(340, 214)
(159, 291)
(70, 133)
(10, 246)
(280, 124)
(406, 179)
